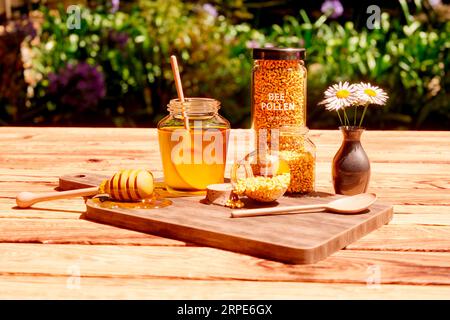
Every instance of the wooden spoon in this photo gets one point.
(346, 205)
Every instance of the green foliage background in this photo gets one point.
(408, 56)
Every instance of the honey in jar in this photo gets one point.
(193, 157)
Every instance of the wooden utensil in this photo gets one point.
(347, 205)
(27, 199)
(179, 87)
(125, 185)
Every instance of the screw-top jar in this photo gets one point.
(299, 152)
(195, 157)
(278, 88)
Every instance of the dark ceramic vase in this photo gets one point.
(351, 166)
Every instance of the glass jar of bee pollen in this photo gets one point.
(278, 88)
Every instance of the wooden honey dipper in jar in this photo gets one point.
(125, 185)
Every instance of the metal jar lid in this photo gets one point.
(279, 53)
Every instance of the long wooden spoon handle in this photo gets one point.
(240, 213)
(26, 199)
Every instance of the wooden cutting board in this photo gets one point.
(301, 238)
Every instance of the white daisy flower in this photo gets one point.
(369, 94)
(339, 96)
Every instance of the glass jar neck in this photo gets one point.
(293, 131)
(194, 107)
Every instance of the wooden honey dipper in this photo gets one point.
(125, 185)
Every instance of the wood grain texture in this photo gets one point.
(391, 237)
(204, 263)
(409, 169)
(93, 288)
(75, 231)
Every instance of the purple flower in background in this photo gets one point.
(115, 5)
(252, 44)
(79, 86)
(118, 38)
(435, 3)
(14, 33)
(210, 9)
(24, 28)
(334, 7)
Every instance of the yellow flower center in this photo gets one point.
(342, 94)
(370, 92)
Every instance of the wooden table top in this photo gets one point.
(49, 251)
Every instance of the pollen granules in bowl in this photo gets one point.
(279, 94)
(262, 188)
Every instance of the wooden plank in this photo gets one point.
(61, 209)
(54, 133)
(432, 176)
(71, 231)
(424, 195)
(390, 175)
(91, 158)
(200, 263)
(432, 146)
(67, 287)
(76, 231)
(74, 208)
(11, 133)
(421, 215)
(407, 197)
(406, 238)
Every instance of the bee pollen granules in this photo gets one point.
(278, 88)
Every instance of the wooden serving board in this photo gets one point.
(300, 238)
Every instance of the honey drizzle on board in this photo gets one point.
(151, 203)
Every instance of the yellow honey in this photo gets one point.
(193, 159)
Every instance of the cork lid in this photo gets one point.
(279, 53)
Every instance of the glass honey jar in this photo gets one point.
(193, 157)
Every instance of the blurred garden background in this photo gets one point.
(111, 68)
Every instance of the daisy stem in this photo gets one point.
(340, 119)
(354, 118)
(346, 121)
(363, 114)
